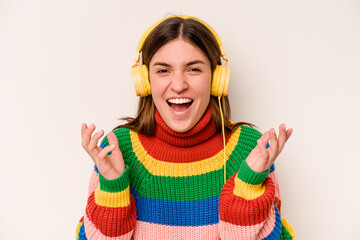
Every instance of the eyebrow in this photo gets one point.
(188, 64)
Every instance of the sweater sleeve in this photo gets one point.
(250, 206)
(110, 211)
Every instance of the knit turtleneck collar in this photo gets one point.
(202, 131)
(199, 143)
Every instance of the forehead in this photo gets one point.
(179, 51)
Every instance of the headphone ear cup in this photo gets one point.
(220, 81)
(140, 76)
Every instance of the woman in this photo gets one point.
(161, 175)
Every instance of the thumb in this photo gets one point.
(265, 138)
(113, 141)
(116, 158)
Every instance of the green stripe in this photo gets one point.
(247, 175)
(116, 185)
(183, 188)
(285, 234)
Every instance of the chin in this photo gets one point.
(180, 126)
(183, 120)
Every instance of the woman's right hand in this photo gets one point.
(110, 166)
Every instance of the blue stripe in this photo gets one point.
(272, 168)
(82, 235)
(102, 144)
(177, 213)
(275, 233)
(96, 169)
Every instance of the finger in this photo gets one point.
(87, 135)
(105, 151)
(265, 137)
(263, 151)
(288, 133)
(274, 145)
(83, 128)
(282, 137)
(94, 140)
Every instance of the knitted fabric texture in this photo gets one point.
(172, 188)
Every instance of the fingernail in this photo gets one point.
(112, 146)
(272, 131)
(283, 126)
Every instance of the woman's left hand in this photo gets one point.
(261, 158)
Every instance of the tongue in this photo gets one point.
(180, 107)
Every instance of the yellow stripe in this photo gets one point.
(288, 227)
(248, 191)
(107, 199)
(78, 230)
(161, 168)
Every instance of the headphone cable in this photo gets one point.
(223, 136)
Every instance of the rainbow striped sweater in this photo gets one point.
(173, 188)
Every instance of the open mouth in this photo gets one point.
(179, 104)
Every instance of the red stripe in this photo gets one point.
(238, 211)
(165, 152)
(112, 222)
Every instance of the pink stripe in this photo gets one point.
(93, 233)
(258, 231)
(269, 224)
(274, 177)
(231, 231)
(144, 230)
(94, 182)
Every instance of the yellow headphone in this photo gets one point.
(140, 74)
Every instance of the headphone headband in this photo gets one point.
(149, 30)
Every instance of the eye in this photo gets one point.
(162, 71)
(195, 70)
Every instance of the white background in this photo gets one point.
(67, 62)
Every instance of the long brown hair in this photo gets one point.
(197, 34)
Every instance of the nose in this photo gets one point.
(179, 82)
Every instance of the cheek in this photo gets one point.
(158, 90)
(203, 88)
(155, 86)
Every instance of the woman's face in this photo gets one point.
(180, 78)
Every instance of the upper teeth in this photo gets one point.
(179, 100)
